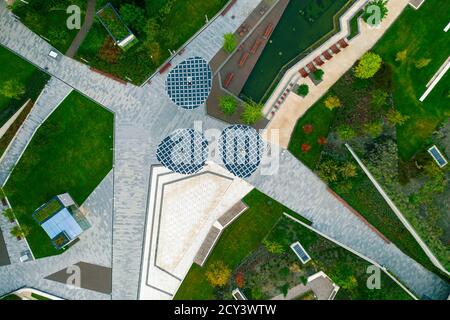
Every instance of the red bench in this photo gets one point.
(327, 55)
(228, 7)
(343, 43)
(268, 31)
(255, 46)
(335, 49)
(165, 68)
(318, 61)
(311, 67)
(228, 79)
(243, 59)
(303, 72)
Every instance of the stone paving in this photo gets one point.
(143, 116)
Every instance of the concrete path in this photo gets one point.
(294, 107)
(53, 94)
(143, 117)
(81, 35)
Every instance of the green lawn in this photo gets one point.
(144, 58)
(420, 32)
(264, 219)
(14, 68)
(48, 19)
(71, 152)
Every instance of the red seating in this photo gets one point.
(311, 67)
(303, 72)
(228, 79)
(255, 46)
(318, 61)
(343, 43)
(327, 55)
(268, 31)
(243, 59)
(228, 7)
(165, 68)
(335, 49)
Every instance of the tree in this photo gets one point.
(379, 98)
(368, 65)
(306, 147)
(12, 89)
(401, 56)
(252, 113)
(229, 42)
(328, 171)
(322, 140)
(9, 214)
(348, 170)
(318, 74)
(332, 102)
(218, 274)
(422, 63)
(240, 279)
(375, 11)
(228, 105)
(133, 16)
(303, 90)
(345, 132)
(373, 129)
(273, 247)
(394, 117)
(20, 232)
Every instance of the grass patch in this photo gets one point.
(354, 28)
(17, 69)
(420, 33)
(71, 152)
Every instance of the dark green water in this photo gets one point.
(292, 36)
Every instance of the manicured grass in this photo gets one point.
(264, 219)
(49, 19)
(11, 297)
(71, 152)
(420, 32)
(235, 243)
(354, 28)
(184, 19)
(39, 297)
(15, 68)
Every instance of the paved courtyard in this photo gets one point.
(144, 116)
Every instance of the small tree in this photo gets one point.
(368, 65)
(133, 16)
(9, 214)
(401, 56)
(328, 171)
(318, 74)
(229, 42)
(332, 102)
(240, 279)
(218, 274)
(322, 140)
(348, 170)
(20, 232)
(308, 128)
(346, 132)
(306, 147)
(228, 105)
(303, 90)
(379, 98)
(375, 11)
(422, 63)
(373, 129)
(252, 113)
(273, 247)
(12, 89)
(394, 117)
